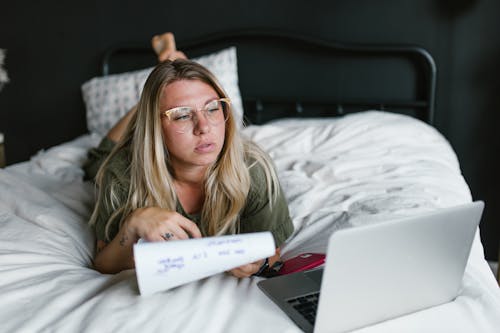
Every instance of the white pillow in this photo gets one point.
(108, 98)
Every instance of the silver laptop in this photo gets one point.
(378, 272)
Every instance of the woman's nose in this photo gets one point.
(202, 125)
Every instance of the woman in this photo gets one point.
(181, 169)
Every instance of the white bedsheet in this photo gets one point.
(346, 172)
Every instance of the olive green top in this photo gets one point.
(256, 216)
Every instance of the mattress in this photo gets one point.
(336, 173)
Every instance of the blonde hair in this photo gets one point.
(227, 182)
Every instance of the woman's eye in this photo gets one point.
(212, 105)
(183, 115)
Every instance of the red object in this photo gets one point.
(302, 262)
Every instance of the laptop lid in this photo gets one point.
(381, 271)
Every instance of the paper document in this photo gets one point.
(163, 265)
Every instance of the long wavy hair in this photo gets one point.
(227, 181)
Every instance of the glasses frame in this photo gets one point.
(167, 113)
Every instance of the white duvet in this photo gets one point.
(338, 173)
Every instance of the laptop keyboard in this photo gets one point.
(306, 305)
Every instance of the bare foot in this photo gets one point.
(164, 46)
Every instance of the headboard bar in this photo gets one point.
(305, 108)
(423, 105)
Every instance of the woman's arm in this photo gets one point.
(117, 255)
(150, 224)
(117, 131)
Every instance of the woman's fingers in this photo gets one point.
(182, 228)
(155, 224)
(153, 236)
(177, 232)
(245, 270)
(191, 228)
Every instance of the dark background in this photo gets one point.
(55, 46)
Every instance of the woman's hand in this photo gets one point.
(246, 270)
(153, 224)
(252, 268)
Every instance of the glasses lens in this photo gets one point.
(184, 118)
(182, 114)
(216, 111)
(181, 118)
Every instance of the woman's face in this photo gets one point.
(201, 145)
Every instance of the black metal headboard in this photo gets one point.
(288, 75)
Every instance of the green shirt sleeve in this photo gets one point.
(260, 215)
(106, 211)
(96, 157)
(116, 175)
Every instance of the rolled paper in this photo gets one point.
(163, 265)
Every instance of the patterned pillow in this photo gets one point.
(108, 98)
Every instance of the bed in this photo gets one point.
(353, 154)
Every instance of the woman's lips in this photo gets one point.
(205, 148)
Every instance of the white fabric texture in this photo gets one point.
(345, 172)
(108, 98)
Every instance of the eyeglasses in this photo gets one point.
(184, 118)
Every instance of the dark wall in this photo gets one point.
(54, 46)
